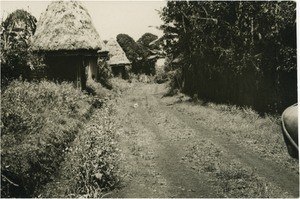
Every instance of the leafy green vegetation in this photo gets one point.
(97, 90)
(133, 51)
(234, 52)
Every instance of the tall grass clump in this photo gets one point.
(91, 165)
(38, 121)
(96, 89)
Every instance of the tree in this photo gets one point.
(146, 39)
(135, 53)
(16, 57)
(236, 52)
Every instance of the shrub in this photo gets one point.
(38, 122)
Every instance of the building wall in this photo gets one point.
(119, 71)
(62, 68)
(92, 68)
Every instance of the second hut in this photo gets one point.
(70, 43)
(118, 61)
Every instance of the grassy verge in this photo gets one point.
(120, 85)
(38, 122)
(96, 89)
(236, 180)
(245, 127)
(90, 168)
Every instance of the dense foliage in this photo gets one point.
(236, 52)
(146, 39)
(16, 57)
(133, 51)
(38, 121)
(138, 53)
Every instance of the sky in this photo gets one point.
(110, 18)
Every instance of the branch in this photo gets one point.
(11, 182)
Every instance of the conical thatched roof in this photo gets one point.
(66, 25)
(116, 53)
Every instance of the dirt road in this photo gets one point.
(168, 152)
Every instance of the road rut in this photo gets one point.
(156, 143)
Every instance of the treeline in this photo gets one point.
(234, 52)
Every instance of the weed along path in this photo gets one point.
(171, 149)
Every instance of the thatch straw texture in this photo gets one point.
(66, 25)
(116, 53)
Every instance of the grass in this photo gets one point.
(39, 122)
(235, 179)
(245, 126)
(241, 182)
(120, 85)
(97, 90)
(90, 168)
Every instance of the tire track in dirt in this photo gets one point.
(163, 175)
(277, 175)
(164, 131)
(182, 181)
(142, 178)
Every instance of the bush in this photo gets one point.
(38, 122)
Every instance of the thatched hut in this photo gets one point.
(71, 45)
(118, 61)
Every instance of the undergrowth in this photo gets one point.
(119, 85)
(38, 121)
(96, 89)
